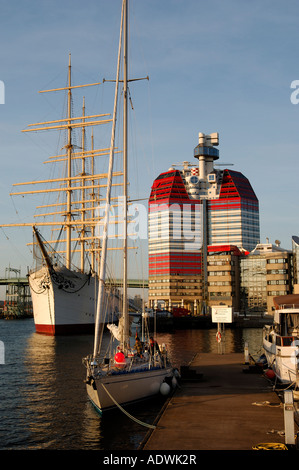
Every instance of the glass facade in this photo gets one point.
(206, 151)
(253, 284)
(264, 276)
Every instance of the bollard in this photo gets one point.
(289, 425)
(246, 353)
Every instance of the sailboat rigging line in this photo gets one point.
(151, 426)
(14, 205)
(58, 239)
(97, 343)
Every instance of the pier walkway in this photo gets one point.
(225, 409)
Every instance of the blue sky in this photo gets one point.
(217, 66)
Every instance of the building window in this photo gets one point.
(276, 260)
(277, 271)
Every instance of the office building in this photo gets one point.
(295, 251)
(223, 276)
(265, 273)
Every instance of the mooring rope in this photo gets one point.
(151, 426)
(270, 446)
(267, 403)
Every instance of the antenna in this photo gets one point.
(224, 164)
(184, 164)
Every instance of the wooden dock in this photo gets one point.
(224, 406)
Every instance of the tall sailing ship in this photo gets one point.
(64, 279)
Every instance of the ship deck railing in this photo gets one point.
(288, 306)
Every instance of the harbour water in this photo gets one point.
(43, 401)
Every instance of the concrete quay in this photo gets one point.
(224, 406)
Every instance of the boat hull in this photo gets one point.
(282, 360)
(126, 388)
(64, 303)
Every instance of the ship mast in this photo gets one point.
(93, 253)
(82, 248)
(71, 184)
(69, 172)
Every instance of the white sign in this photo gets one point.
(222, 314)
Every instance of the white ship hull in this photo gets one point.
(126, 388)
(64, 303)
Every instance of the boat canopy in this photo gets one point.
(286, 301)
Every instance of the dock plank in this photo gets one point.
(227, 409)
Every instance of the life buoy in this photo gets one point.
(218, 336)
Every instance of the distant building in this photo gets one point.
(295, 250)
(224, 276)
(265, 273)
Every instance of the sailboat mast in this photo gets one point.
(101, 292)
(125, 169)
(69, 171)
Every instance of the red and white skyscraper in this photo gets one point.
(190, 209)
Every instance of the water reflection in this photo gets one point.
(184, 344)
(56, 395)
(46, 404)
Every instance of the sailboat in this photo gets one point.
(124, 375)
(64, 291)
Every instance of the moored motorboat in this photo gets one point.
(281, 340)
